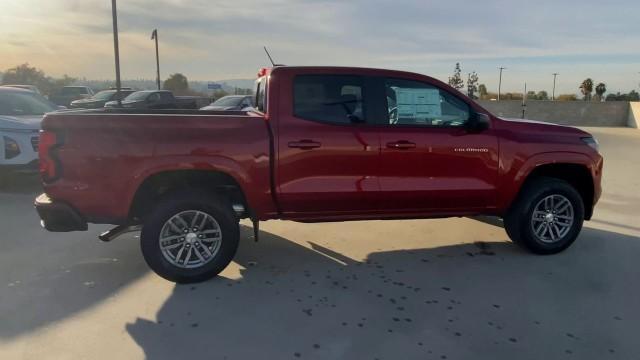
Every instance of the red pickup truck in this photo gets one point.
(322, 144)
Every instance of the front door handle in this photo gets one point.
(304, 144)
(401, 144)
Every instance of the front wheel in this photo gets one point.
(190, 236)
(546, 217)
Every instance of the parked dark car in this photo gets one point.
(70, 93)
(156, 99)
(231, 103)
(100, 98)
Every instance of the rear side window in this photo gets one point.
(328, 98)
(155, 97)
(166, 97)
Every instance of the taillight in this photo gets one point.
(49, 166)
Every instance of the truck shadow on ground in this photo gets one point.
(59, 275)
(459, 301)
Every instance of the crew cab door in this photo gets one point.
(431, 161)
(328, 154)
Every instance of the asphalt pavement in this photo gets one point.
(416, 289)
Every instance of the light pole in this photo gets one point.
(553, 93)
(154, 36)
(500, 81)
(116, 50)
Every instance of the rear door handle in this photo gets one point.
(401, 144)
(304, 144)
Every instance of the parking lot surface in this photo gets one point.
(418, 289)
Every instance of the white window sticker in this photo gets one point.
(418, 104)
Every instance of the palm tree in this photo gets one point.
(586, 88)
(601, 88)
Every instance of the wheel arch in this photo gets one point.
(575, 169)
(158, 184)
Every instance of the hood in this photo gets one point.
(26, 122)
(87, 102)
(114, 103)
(529, 121)
(526, 125)
(84, 101)
(218, 108)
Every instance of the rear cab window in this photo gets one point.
(336, 99)
(260, 92)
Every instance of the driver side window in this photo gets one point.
(415, 103)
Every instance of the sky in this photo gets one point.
(210, 39)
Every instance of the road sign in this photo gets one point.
(214, 86)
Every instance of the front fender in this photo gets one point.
(513, 180)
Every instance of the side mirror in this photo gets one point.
(478, 122)
(355, 119)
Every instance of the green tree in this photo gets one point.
(472, 85)
(631, 96)
(177, 83)
(482, 89)
(601, 88)
(26, 74)
(566, 97)
(456, 80)
(542, 95)
(586, 88)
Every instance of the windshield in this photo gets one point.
(104, 95)
(228, 101)
(138, 95)
(16, 104)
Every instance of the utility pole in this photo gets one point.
(500, 81)
(116, 50)
(154, 36)
(553, 93)
(524, 100)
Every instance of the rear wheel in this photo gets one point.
(190, 236)
(546, 217)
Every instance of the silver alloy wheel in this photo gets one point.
(190, 239)
(552, 218)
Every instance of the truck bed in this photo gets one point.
(115, 150)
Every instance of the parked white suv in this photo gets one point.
(21, 112)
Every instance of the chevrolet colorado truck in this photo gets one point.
(321, 144)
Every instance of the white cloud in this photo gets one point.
(223, 39)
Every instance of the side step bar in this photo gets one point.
(117, 231)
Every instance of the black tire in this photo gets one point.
(175, 203)
(518, 220)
